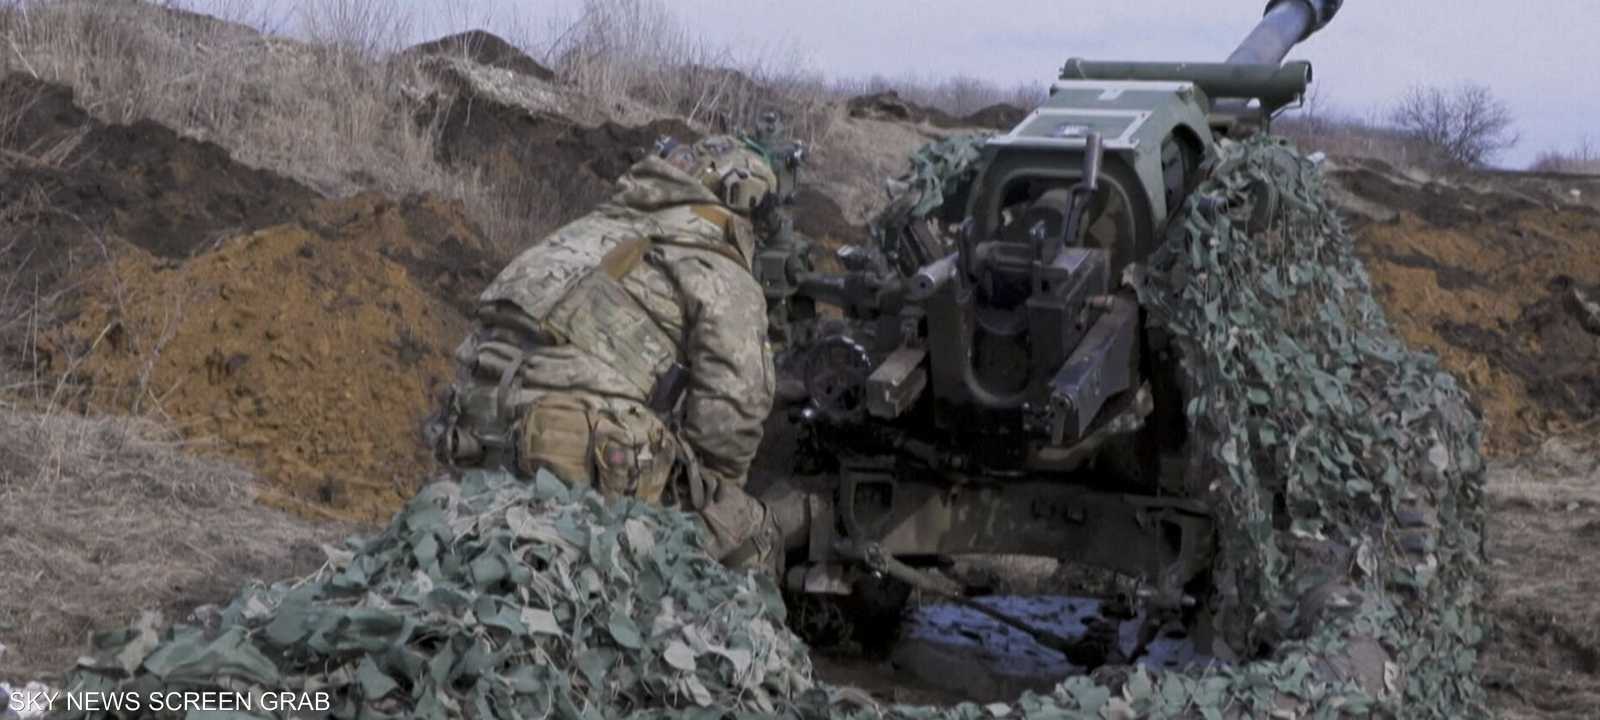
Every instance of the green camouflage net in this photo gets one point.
(491, 598)
(933, 174)
(496, 599)
(1300, 390)
(932, 169)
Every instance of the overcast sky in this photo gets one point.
(1541, 56)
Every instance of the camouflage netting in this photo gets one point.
(1301, 389)
(934, 173)
(493, 599)
(490, 598)
(932, 169)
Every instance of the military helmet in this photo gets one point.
(730, 168)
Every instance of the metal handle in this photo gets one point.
(1093, 154)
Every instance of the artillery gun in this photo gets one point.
(1000, 392)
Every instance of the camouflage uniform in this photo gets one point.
(628, 349)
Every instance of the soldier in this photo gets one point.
(627, 351)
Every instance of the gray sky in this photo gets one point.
(1541, 56)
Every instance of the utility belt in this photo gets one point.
(619, 447)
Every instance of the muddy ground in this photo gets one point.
(1541, 660)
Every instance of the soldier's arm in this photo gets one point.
(730, 367)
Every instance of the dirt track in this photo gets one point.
(1543, 658)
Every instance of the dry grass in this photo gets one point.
(335, 116)
(1584, 160)
(859, 154)
(360, 30)
(314, 113)
(341, 113)
(170, 530)
(641, 49)
(1351, 137)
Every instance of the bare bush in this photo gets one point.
(1464, 126)
(1583, 160)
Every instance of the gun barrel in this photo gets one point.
(1286, 24)
(932, 276)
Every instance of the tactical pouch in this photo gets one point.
(555, 435)
(628, 454)
(469, 431)
(633, 456)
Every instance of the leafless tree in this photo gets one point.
(1466, 125)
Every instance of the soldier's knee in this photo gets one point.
(743, 534)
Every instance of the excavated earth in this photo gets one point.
(1489, 273)
(308, 337)
(545, 166)
(71, 184)
(310, 349)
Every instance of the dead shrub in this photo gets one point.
(1464, 126)
(1354, 138)
(363, 30)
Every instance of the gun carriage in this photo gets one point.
(996, 389)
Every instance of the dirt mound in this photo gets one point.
(311, 350)
(999, 116)
(546, 167)
(818, 217)
(511, 145)
(488, 49)
(69, 180)
(1487, 280)
(889, 106)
